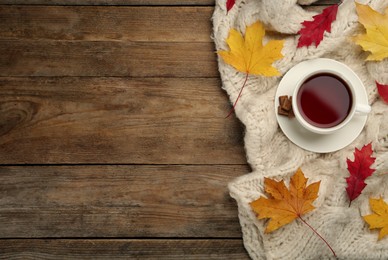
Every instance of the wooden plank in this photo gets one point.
(123, 249)
(129, 2)
(118, 201)
(85, 23)
(84, 58)
(110, 2)
(117, 120)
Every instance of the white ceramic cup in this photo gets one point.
(352, 81)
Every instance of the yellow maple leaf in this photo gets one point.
(380, 217)
(286, 205)
(376, 38)
(249, 55)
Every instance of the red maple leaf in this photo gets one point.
(383, 91)
(230, 4)
(359, 170)
(313, 31)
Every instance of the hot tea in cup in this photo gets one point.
(325, 101)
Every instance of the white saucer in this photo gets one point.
(317, 142)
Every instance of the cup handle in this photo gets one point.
(363, 109)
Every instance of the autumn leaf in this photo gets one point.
(376, 38)
(229, 4)
(359, 170)
(312, 31)
(380, 217)
(383, 91)
(285, 205)
(248, 55)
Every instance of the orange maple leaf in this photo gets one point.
(286, 205)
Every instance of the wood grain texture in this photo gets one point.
(123, 249)
(85, 58)
(129, 2)
(118, 201)
(111, 2)
(97, 23)
(117, 120)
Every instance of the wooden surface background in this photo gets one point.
(113, 142)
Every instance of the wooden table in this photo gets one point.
(113, 141)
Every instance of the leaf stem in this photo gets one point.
(318, 235)
(239, 94)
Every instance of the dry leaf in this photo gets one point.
(249, 55)
(383, 91)
(376, 38)
(380, 217)
(359, 170)
(230, 4)
(286, 205)
(312, 31)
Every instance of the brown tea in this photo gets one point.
(324, 100)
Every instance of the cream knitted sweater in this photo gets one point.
(271, 154)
